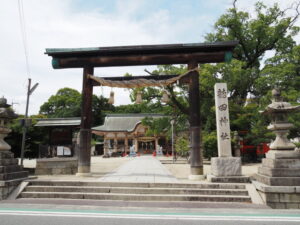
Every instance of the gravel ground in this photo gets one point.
(101, 166)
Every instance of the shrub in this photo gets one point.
(182, 145)
(210, 145)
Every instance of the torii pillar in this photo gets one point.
(196, 162)
(84, 155)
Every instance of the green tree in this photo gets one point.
(67, 103)
(252, 72)
(269, 29)
(34, 137)
(182, 145)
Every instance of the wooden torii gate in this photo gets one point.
(191, 54)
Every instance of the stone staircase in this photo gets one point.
(136, 191)
(11, 174)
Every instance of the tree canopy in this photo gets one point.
(267, 56)
(67, 103)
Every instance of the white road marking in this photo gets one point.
(152, 216)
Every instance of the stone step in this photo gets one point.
(6, 162)
(14, 175)
(132, 190)
(143, 185)
(229, 179)
(136, 197)
(10, 169)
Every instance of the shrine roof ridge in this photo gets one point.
(51, 122)
(134, 115)
(123, 122)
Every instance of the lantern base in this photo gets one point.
(283, 154)
(11, 174)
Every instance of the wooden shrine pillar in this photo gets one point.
(196, 161)
(115, 149)
(156, 144)
(126, 149)
(84, 156)
(136, 144)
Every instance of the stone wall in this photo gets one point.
(56, 166)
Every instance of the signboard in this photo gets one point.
(60, 150)
(222, 120)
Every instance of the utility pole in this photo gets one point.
(25, 123)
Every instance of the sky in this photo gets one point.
(94, 23)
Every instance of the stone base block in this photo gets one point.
(56, 166)
(197, 177)
(279, 197)
(283, 154)
(6, 155)
(83, 174)
(279, 172)
(281, 163)
(277, 181)
(11, 174)
(226, 166)
(233, 179)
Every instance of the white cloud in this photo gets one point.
(55, 24)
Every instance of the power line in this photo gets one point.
(24, 35)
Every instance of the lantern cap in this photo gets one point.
(5, 111)
(278, 105)
(3, 103)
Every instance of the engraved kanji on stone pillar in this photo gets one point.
(222, 117)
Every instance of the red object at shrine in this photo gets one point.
(260, 149)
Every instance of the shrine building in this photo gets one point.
(121, 131)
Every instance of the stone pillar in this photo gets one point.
(278, 179)
(222, 120)
(224, 168)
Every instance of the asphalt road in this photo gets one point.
(30, 216)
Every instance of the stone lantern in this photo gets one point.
(278, 179)
(6, 115)
(11, 174)
(278, 111)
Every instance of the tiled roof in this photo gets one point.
(123, 122)
(56, 122)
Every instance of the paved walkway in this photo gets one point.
(144, 169)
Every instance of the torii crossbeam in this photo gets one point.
(191, 54)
